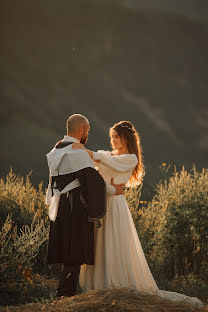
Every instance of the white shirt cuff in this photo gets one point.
(110, 189)
(96, 156)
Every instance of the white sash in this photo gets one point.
(53, 201)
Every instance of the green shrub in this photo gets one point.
(190, 285)
(18, 253)
(173, 227)
(18, 250)
(20, 199)
(39, 289)
(23, 240)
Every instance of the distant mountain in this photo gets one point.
(110, 62)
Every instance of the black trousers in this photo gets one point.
(68, 280)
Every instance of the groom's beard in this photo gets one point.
(84, 140)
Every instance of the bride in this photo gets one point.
(119, 258)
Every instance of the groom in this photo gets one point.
(77, 200)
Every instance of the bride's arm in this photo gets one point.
(112, 189)
(121, 163)
(81, 146)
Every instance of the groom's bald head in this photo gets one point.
(74, 122)
(78, 127)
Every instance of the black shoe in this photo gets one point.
(67, 293)
(58, 294)
(68, 282)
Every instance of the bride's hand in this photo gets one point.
(77, 146)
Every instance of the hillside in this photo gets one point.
(110, 62)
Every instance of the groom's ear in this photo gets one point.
(80, 130)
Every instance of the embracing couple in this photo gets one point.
(92, 232)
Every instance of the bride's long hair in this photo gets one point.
(126, 130)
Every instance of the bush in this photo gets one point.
(19, 250)
(190, 285)
(18, 253)
(41, 289)
(173, 227)
(20, 199)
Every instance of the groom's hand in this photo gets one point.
(77, 146)
(119, 187)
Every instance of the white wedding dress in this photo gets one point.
(119, 258)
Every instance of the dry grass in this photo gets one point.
(118, 300)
